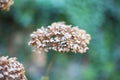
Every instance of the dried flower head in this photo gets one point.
(60, 37)
(5, 4)
(10, 69)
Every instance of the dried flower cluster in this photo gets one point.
(10, 69)
(60, 37)
(5, 4)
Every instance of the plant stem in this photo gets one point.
(46, 77)
(50, 65)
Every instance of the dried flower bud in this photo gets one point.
(60, 37)
(5, 4)
(10, 69)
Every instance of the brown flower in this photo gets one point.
(10, 69)
(60, 37)
(5, 4)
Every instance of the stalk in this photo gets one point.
(46, 77)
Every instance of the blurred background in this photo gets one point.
(100, 18)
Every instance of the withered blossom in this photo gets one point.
(10, 69)
(5, 4)
(60, 37)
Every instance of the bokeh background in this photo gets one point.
(100, 18)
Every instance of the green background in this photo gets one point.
(100, 18)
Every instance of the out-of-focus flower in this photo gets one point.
(60, 37)
(10, 69)
(38, 58)
(38, 63)
(5, 4)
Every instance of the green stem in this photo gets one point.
(50, 65)
(49, 68)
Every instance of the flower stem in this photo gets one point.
(50, 65)
(49, 68)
